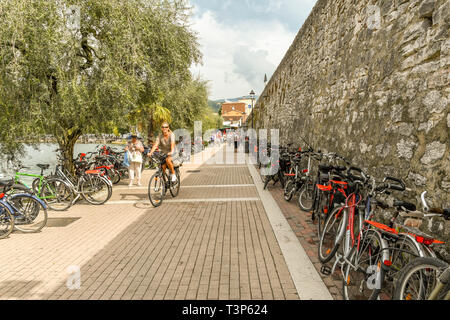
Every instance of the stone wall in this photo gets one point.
(370, 80)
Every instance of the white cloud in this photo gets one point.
(236, 55)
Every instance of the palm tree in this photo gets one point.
(158, 115)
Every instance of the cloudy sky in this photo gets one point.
(241, 40)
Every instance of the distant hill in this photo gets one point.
(215, 104)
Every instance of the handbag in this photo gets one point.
(125, 160)
(135, 157)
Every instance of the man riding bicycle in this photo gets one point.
(166, 144)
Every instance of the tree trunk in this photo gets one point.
(67, 144)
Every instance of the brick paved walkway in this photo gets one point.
(203, 246)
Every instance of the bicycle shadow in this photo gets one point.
(133, 196)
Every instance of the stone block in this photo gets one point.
(435, 102)
(434, 151)
(405, 149)
(415, 30)
(441, 15)
(426, 9)
(417, 178)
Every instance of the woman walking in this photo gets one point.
(135, 148)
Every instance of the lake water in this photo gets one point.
(45, 154)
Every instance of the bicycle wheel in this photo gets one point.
(321, 214)
(18, 188)
(289, 190)
(115, 177)
(333, 232)
(419, 278)
(29, 214)
(266, 181)
(403, 251)
(306, 196)
(95, 189)
(57, 194)
(281, 178)
(35, 185)
(175, 187)
(6, 221)
(362, 276)
(156, 190)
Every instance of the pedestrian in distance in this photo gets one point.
(135, 148)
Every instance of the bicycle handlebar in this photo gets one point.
(402, 186)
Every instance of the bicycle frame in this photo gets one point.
(348, 230)
(74, 186)
(19, 174)
(40, 185)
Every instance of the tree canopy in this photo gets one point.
(74, 67)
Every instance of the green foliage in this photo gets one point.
(188, 103)
(93, 79)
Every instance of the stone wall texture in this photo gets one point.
(370, 80)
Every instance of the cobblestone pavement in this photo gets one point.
(214, 242)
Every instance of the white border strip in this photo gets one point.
(197, 186)
(307, 280)
(183, 201)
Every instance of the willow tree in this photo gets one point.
(188, 103)
(75, 67)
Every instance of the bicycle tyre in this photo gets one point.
(18, 188)
(116, 177)
(338, 222)
(175, 190)
(281, 179)
(399, 259)
(371, 245)
(92, 184)
(413, 267)
(266, 181)
(289, 190)
(6, 221)
(158, 184)
(28, 208)
(60, 191)
(306, 194)
(35, 185)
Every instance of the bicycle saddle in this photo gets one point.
(408, 206)
(43, 166)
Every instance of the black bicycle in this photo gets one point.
(159, 183)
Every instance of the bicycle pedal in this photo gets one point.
(325, 270)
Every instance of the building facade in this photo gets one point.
(234, 114)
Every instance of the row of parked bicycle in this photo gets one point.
(24, 207)
(377, 261)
